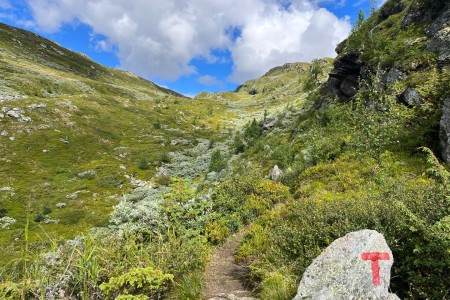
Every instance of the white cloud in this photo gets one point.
(209, 80)
(5, 4)
(160, 38)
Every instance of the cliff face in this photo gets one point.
(426, 24)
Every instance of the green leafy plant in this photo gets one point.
(137, 282)
(218, 161)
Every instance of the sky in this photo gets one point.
(191, 45)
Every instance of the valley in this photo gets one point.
(112, 187)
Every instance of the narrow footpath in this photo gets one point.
(224, 279)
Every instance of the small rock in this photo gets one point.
(162, 172)
(87, 174)
(269, 123)
(14, 113)
(72, 196)
(4, 133)
(347, 269)
(39, 105)
(410, 97)
(45, 150)
(12, 138)
(276, 173)
(61, 205)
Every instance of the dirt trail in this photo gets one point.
(224, 279)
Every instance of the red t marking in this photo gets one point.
(375, 257)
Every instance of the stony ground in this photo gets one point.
(224, 279)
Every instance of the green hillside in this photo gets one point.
(114, 188)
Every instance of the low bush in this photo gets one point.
(138, 282)
(392, 195)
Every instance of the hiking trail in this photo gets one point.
(224, 279)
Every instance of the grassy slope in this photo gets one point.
(101, 119)
(95, 118)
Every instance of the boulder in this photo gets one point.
(444, 133)
(410, 97)
(356, 266)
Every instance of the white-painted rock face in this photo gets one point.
(356, 266)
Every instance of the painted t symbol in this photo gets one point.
(375, 257)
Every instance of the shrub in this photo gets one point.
(157, 125)
(239, 145)
(144, 164)
(39, 217)
(218, 161)
(163, 180)
(3, 210)
(165, 157)
(138, 281)
(252, 131)
(352, 194)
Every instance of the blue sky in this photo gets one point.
(190, 45)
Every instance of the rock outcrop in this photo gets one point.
(343, 80)
(356, 266)
(445, 131)
(439, 31)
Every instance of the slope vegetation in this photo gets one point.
(300, 157)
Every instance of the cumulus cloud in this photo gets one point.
(159, 39)
(209, 80)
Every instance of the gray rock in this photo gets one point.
(37, 105)
(253, 90)
(87, 174)
(343, 79)
(345, 270)
(439, 31)
(410, 97)
(444, 133)
(60, 205)
(276, 173)
(349, 86)
(162, 172)
(269, 123)
(4, 133)
(14, 113)
(72, 196)
(394, 75)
